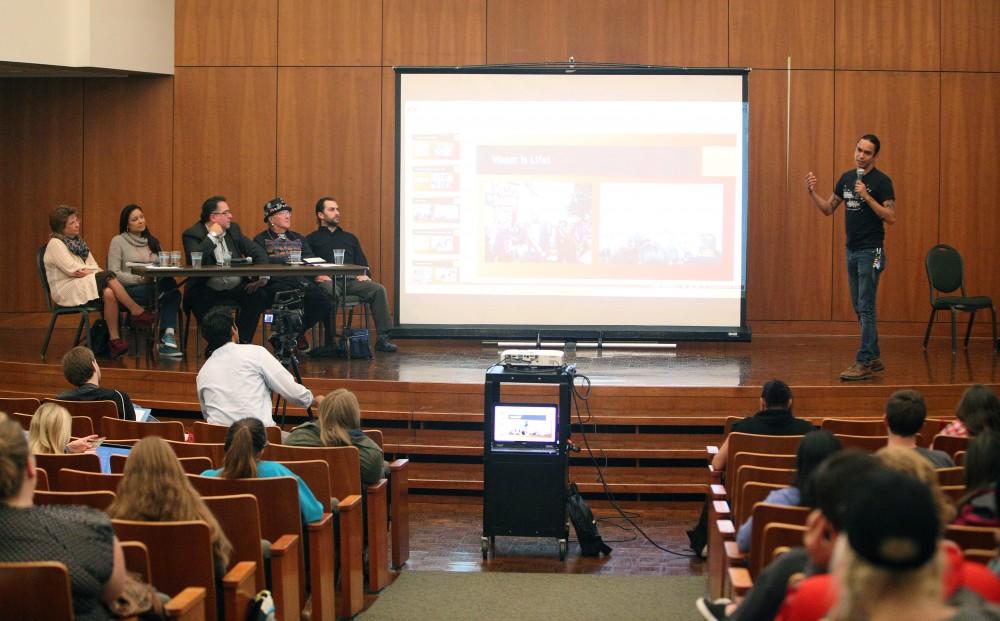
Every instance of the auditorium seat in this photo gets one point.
(972, 537)
(951, 476)
(175, 567)
(216, 434)
(399, 503)
(239, 518)
(53, 464)
(215, 452)
(94, 410)
(869, 444)
(949, 444)
(81, 481)
(24, 405)
(190, 465)
(115, 428)
(99, 500)
(855, 426)
(762, 547)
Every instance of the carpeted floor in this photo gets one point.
(455, 596)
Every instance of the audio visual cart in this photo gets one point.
(525, 461)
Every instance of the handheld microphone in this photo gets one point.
(861, 173)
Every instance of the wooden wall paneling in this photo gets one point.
(789, 265)
(691, 34)
(903, 110)
(969, 162)
(329, 32)
(225, 124)
(128, 157)
(387, 274)
(433, 32)
(328, 144)
(41, 130)
(969, 39)
(610, 31)
(764, 33)
(225, 32)
(519, 31)
(888, 35)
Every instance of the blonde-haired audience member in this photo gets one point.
(909, 462)
(154, 488)
(339, 424)
(78, 537)
(50, 432)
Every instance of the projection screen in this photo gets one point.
(571, 202)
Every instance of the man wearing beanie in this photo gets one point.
(330, 237)
(279, 241)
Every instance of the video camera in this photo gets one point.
(286, 322)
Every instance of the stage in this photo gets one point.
(648, 417)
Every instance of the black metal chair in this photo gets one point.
(945, 274)
(83, 329)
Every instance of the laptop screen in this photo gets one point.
(525, 424)
(105, 451)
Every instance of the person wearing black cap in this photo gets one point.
(219, 240)
(280, 242)
(330, 237)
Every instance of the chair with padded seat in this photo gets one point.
(945, 273)
(57, 310)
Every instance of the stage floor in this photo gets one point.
(799, 360)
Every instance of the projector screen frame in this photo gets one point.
(570, 331)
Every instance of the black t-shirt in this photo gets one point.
(324, 242)
(863, 226)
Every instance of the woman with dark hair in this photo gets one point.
(978, 507)
(75, 278)
(978, 409)
(135, 244)
(80, 538)
(814, 447)
(245, 441)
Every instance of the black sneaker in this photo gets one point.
(384, 344)
(712, 611)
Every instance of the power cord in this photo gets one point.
(583, 394)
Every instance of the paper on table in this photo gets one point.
(314, 260)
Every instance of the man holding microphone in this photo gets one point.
(869, 201)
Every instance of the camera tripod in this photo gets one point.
(290, 362)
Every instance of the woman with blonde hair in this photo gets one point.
(154, 488)
(81, 538)
(245, 441)
(339, 424)
(50, 432)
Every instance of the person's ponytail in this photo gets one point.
(244, 442)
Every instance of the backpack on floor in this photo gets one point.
(100, 339)
(584, 524)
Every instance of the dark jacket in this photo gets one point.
(90, 392)
(774, 422)
(373, 466)
(196, 239)
(324, 242)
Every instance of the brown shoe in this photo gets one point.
(117, 347)
(856, 371)
(875, 364)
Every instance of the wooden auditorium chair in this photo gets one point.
(82, 481)
(98, 499)
(118, 428)
(399, 503)
(855, 426)
(950, 444)
(209, 433)
(239, 518)
(94, 410)
(180, 555)
(80, 426)
(869, 444)
(213, 451)
(190, 465)
(41, 479)
(23, 405)
(53, 464)
(951, 476)
(972, 537)
(762, 546)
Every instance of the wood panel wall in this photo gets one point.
(295, 98)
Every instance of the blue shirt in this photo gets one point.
(311, 508)
(788, 496)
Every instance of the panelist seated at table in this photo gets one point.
(219, 240)
(75, 278)
(330, 237)
(135, 244)
(284, 245)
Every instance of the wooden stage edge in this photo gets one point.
(648, 417)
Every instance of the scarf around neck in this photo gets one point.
(76, 245)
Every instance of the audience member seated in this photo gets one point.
(891, 563)
(75, 277)
(905, 461)
(81, 369)
(154, 488)
(905, 413)
(979, 408)
(339, 424)
(814, 448)
(236, 380)
(978, 507)
(79, 537)
(50, 432)
(279, 241)
(220, 240)
(245, 441)
(135, 244)
(775, 418)
(832, 485)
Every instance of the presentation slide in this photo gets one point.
(524, 423)
(610, 201)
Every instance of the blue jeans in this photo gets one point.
(170, 298)
(862, 277)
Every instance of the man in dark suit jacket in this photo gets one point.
(215, 236)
